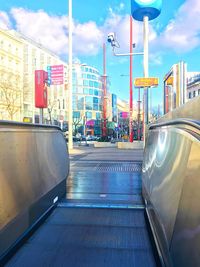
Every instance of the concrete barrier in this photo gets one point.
(128, 145)
(105, 144)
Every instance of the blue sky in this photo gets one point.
(174, 35)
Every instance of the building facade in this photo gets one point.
(20, 57)
(11, 77)
(175, 87)
(37, 57)
(87, 99)
(193, 85)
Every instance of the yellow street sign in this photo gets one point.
(145, 82)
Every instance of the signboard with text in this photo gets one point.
(40, 89)
(55, 74)
(146, 82)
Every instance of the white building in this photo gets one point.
(11, 77)
(33, 56)
(193, 84)
(37, 57)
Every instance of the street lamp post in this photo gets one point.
(145, 10)
(131, 83)
(146, 70)
(70, 123)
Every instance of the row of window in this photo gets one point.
(10, 61)
(86, 69)
(91, 83)
(194, 93)
(10, 48)
(87, 91)
(89, 76)
(88, 106)
(88, 103)
(88, 115)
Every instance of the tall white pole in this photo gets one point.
(146, 71)
(70, 138)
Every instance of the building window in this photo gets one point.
(95, 100)
(86, 91)
(95, 106)
(85, 82)
(88, 102)
(190, 95)
(74, 104)
(98, 116)
(88, 115)
(194, 93)
(96, 84)
(80, 90)
(74, 88)
(96, 92)
(198, 91)
(80, 103)
(76, 114)
(91, 83)
(91, 91)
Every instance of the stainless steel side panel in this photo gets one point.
(171, 186)
(33, 162)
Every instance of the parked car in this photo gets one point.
(91, 138)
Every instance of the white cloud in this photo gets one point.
(87, 38)
(48, 30)
(4, 21)
(52, 32)
(182, 33)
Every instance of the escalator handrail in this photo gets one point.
(32, 125)
(185, 121)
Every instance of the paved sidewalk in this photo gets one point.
(105, 154)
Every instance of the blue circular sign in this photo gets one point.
(149, 8)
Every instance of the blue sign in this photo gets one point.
(142, 8)
(116, 129)
(49, 75)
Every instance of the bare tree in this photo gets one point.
(10, 95)
(51, 106)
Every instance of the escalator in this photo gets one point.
(98, 219)
(101, 222)
(113, 211)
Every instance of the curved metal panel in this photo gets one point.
(171, 169)
(34, 165)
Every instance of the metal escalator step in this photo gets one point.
(100, 205)
(81, 237)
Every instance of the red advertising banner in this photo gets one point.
(41, 77)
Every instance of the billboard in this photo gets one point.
(146, 82)
(41, 77)
(124, 115)
(55, 74)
